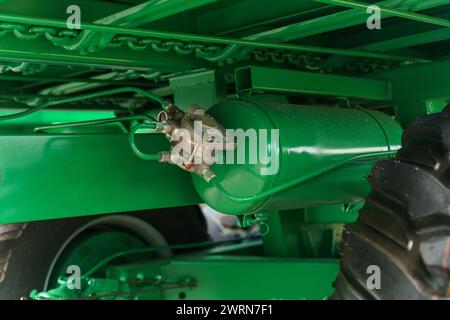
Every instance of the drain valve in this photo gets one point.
(195, 138)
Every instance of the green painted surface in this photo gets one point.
(58, 176)
(394, 12)
(312, 233)
(414, 86)
(308, 83)
(257, 278)
(234, 277)
(200, 277)
(310, 139)
(298, 52)
(203, 88)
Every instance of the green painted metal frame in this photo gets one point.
(140, 14)
(413, 89)
(225, 277)
(235, 277)
(307, 233)
(284, 264)
(60, 176)
(402, 37)
(409, 41)
(297, 82)
(260, 78)
(68, 175)
(339, 20)
(41, 51)
(217, 273)
(391, 11)
(202, 38)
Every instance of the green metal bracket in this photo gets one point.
(307, 233)
(297, 82)
(205, 88)
(436, 105)
(338, 20)
(259, 219)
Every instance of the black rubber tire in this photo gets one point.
(27, 249)
(404, 227)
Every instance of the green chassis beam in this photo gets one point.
(59, 176)
(232, 277)
(286, 81)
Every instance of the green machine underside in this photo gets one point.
(207, 53)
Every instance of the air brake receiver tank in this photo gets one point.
(323, 156)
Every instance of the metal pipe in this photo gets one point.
(93, 122)
(134, 147)
(85, 97)
(304, 178)
(65, 80)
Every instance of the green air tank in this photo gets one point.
(319, 145)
